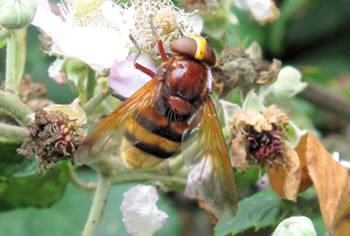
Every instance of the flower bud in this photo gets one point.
(294, 226)
(16, 14)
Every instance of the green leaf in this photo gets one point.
(266, 209)
(13, 164)
(3, 43)
(68, 216)
(34, 190)
(261, 210)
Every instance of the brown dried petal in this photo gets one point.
(270, 76)
(239, 154)
(251, 117)
(306, 180)
(331, 182)
(275, 116)
(285, 179)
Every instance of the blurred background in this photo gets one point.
(312, 35)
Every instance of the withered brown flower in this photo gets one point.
(257, 137)
(53, 138)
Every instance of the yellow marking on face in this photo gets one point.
(201, 46)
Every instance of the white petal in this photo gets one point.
(289, 83)
(197, 23)
(296, 226)
(261, 9)
(140, 213)
(56, 73)
(97, 46)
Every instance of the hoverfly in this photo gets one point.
(172, 112)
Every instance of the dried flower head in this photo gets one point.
(237, 68)
(53, 138)
(257, 137)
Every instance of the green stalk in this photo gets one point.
(10, 104)
(91, 83)
(15, 59)
(12, 133)
(100, 199)
(90, 106)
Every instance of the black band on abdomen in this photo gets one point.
(149, 148)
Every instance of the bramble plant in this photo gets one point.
(288, 183)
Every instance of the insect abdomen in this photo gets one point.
(150, 139)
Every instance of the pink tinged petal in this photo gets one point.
(141, 215)
(125, 79)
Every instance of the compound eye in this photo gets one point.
(194, 46)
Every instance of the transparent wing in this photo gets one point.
(105, 139)
(204, 149)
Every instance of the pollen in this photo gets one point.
(85, 8)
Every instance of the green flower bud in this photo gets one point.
(295, 226)
(16, 14)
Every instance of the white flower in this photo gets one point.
(295, 226)
(288, 84)
(140, 213)
(167, 19)
(262, 10)
(84, 33)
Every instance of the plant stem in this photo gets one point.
(91, 83)
(98, 205)
(78, 182)
(90, 106)
(15, 59)
(324, 99)
(10, 104)
(144, 177)
(12, 133)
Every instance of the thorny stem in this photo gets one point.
(15, 59)
(88, 186)
(13, 133)
(100, 199)
(10, 104)
(90, 106)
(322, 98)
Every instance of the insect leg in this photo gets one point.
(159, 41)
(137, 65)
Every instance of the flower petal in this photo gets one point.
(125, 79)
(140, 213)
(97, 46)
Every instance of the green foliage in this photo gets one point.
(266, 209)
(33, 190)
(68, 216)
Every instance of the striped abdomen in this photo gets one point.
(152, 137)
